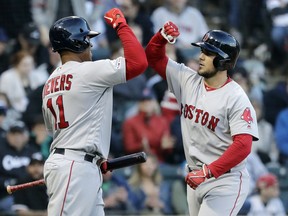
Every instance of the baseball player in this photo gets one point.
(218, 121)
(77, 108)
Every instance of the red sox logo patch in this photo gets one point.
(205, 38)
(246, 116)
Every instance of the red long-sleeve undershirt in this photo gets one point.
(136, 61)
(241, 146)
(237, 152)
(156, 54)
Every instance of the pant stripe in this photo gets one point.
(70, 173)
(240, 186)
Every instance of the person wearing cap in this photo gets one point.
(29, 39)
(267, 201)
(147, 130)
(15, 156)
(35, 200)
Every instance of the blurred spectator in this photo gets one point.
(275, 100)
(19, 80)
(29, 40)
(34, 107)
(254, 19)
(134, 13)
(116, 194)
(190, 21)
(266, 146)
(33, 201)
(151, 195)
(281, 136)
(11, 115)
(4, 51)
(3, 110)
(13, 15)
(177, 155)
(45, 13)
(170, 109)
(278, 10)
(169, 106)
(147, 130)
(15, 156)
(256, 168)
(242, 77)
(178, 197)
(39, 138)
(266, 202)
(126, 97)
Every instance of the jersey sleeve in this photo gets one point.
(241, 114)
(177, 75)
(104, 73)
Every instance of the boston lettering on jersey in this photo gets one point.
(199, 116)
(58, 83)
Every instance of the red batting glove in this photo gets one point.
(196, 177)
(103, 167)
(114, 17)
(170, 32)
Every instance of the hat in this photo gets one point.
(266, 181)
(36, 158)
(18, 126)
(169, 101)
(31, 33)
(147, 94)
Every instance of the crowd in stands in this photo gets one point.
(146, 115)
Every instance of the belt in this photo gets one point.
(190, 169)
(87, 157)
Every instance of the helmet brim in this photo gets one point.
(92, 34)
(211, 48)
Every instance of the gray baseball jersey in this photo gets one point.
(77, 104)
(209, 120)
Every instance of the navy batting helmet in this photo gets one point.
(224, 45)
(70, 33)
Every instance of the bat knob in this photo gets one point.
(8, 188)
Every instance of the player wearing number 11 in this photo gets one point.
(77, 108)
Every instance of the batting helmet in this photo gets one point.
(224, 45)
(70, 33)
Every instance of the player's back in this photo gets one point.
(77, 104)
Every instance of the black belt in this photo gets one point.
(87, 157)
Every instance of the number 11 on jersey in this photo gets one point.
(60, 121)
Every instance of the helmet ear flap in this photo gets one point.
(221, 64)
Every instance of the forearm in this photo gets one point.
(237, 152)
(136, 61)
(156, 54)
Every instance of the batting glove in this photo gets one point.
(104, 167)
(114, 17)
(196, 177)
(170, 32)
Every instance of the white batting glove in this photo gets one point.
(170, 32)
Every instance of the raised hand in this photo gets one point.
(114, 17)
(170, 32)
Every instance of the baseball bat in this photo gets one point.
(11, 189)
(112, 164)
